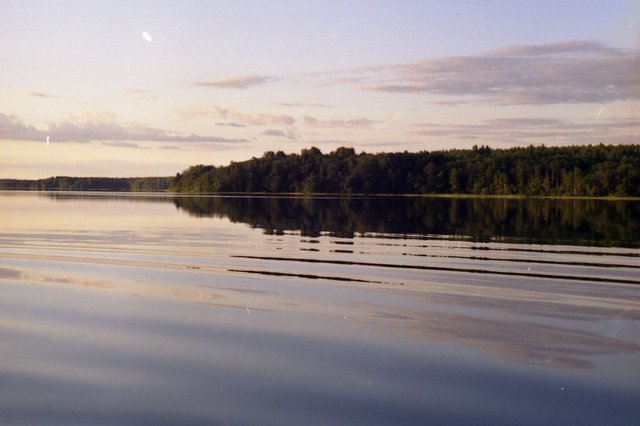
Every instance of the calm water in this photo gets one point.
(155, 309)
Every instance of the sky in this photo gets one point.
(149, 88)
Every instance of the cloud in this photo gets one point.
(39, 95)
(147, 94)
(525, 121)
(257, 119)
(137, 91)
(564, 72)
(542, 129)
(572, 46)
(356, 123)
(303, 105)
(337, 142)
(384, 145)
(448, 103)
(243, 82)
(191, 113)
(231, 124)
(289, 134)
(95, 127)
(235, 118)
(344, 80)
(120, 144)
(12, 127)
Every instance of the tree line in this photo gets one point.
(66, 183)
(590, 170)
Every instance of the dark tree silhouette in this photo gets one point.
(553, 171)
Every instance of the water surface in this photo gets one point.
(157, 309)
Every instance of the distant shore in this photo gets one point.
(591, 171)
(326, 194)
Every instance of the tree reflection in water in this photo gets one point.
(527, 221)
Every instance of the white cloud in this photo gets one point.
(95, 127)
(242, 82)
(303, 105)
(355, 123)
(565, 72)
(538, 130)
(121, 144)
(256, 119)
(145, 94)
(191, 113)
(231, 124)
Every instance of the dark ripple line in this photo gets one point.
(474, 239)
(588, 253)
(546, 262)
(427, 268)
(309, 276)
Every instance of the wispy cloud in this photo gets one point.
(525, 122)
(39, 95)
(290, 134)
(538, 130)
(234, 118)
(448, 103)
(231, 124)
(386, 144)
(95, 127)
(356, 123)
(303, 105)
(192, 113)
(256, 119)
(565, 72)
(337, 142)
(344, 80)
(241, 82)
(558, 48)
(146, 94)
(121, 144)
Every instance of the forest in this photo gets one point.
(65, 183)
(590, 170)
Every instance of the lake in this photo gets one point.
(160, 309)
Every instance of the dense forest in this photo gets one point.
(592, 170)
(65, 183)
(598, 170)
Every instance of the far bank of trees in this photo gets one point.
(598, 170)
(65, 183)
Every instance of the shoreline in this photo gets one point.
(330, 195)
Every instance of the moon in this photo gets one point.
(147, 36)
